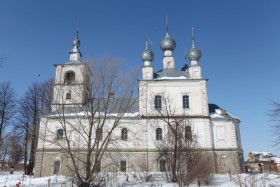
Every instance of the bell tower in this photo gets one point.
(72, 80)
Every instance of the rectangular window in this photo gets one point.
(220, 133)
(124, 134)
(159, 134)
(158, 102)
(56, 167)
(186, 101)
(99, 134)
(123, 166)
(162, 166)
(97, 167)
(188, 133)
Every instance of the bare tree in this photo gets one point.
(275, 128)
(4, 147)
(179, 148)
(2, 58)
(7, 106)
(29, 113)
(35, 102)
(10, 151)
(15, 150)
(23, 130)
(46, 94)
(86, 132)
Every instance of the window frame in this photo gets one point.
(123, 166)
(158, 102)
(124, 134)
(97, 168)
(59, 134)
(186, 102)
(188, 133)
(68, 95)
(162, 165)
(56, 167)
(159, 134)
(99, 134)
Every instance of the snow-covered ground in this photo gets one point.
(133, 179)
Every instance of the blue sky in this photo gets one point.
(239, 40)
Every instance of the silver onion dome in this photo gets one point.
(167, 43)
(194, 54)
(147, 55)
(76, 42)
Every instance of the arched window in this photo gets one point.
(188, 133)
(69, 77)
(158, 134)
(59, 134)
(124, 134)
(68, 95)
(56, 167)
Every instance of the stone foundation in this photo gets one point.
(222, 161)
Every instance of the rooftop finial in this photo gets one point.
(77, 32)
(194, 54)
(193, 45)
(167, 27)
(148, 43)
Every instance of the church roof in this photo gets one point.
(216, 112)
(116, 106)
(171, 74)
(129, 106)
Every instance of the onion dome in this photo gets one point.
(76, 42)
(194, 54)
(147, 54)
(167, 43)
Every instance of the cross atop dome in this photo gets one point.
(168, 45)
(194, 54)
(75, 53)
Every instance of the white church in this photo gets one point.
(140, 128)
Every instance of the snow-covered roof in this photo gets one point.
(266, 157)
(171, 74)
(215, 112)
(116, 106)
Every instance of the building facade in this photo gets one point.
(184, 89)
(263, 162)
